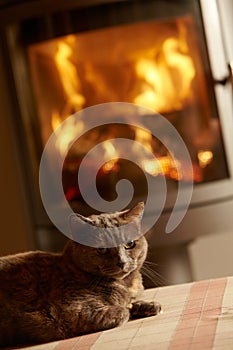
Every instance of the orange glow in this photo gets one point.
(110, 152)
(66, 134)
(68, 74)
(205, 158)
(166, 81)
(143, 137)
(55, 120)
(165, 72)
(162, 166)
(129, 63)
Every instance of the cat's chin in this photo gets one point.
(120, 274)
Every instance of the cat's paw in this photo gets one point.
(144, 309)
(113, 316)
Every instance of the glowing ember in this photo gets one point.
(152, 167)
(162, 166)
(111, 165)
(205, 158)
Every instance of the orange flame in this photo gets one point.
(66, 133)
(162, 166)
(110, 152)
(143, 137)
(68, 73)
(166, 79)
(165, 75)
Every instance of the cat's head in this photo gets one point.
(117, 259)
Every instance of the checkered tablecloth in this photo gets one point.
(196, 315)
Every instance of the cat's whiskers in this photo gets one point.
(148, 270)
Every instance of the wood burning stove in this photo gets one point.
(63, 57)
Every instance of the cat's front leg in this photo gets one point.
(87, 317)
(110, 317)
(140, 309)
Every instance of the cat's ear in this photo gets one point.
(77, 224)
(132, 219)
(78, 219)
(134, 214)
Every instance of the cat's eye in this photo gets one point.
(102, 250)
(130, 245)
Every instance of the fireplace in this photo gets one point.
(63, 57)
(164, 73)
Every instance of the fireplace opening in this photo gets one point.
(157, 64)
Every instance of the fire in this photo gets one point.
(74, 100)
(68, 74)
(55, 120)
(143, 137)
(167, 78)
(66, 133)
(110, 152)
(164, 73)
(162, 166)
(204, 158)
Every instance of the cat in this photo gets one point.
(52, 296)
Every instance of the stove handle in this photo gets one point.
(228, 78)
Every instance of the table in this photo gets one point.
(197, 315)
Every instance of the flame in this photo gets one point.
(143, 137)
(66, 133)
(75, 100)
(68, 73)
(167, 78)
(56, 120)
(165, 74)
(162, 166)
(110, 152)
(205, 158)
